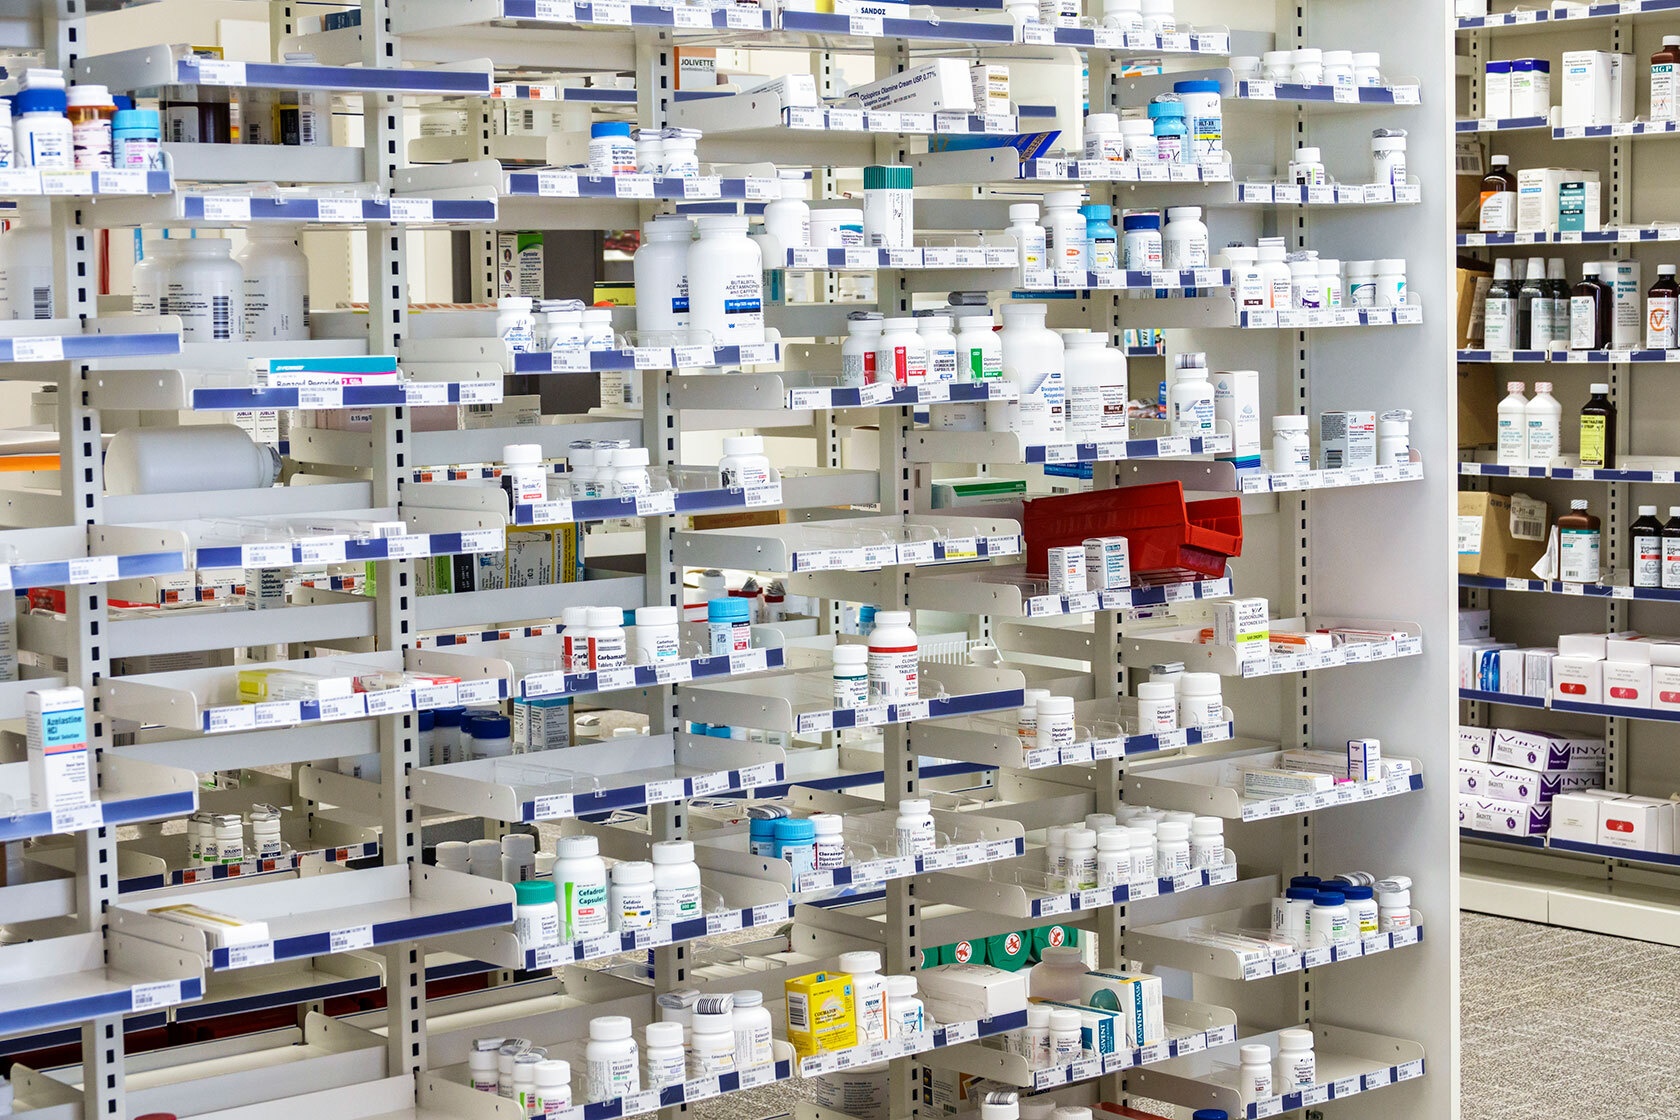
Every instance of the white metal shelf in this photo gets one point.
(149, 68)
(596, 778)
(1186, 645)
(852, 543)
(61, 980)
(1190, 1028)
(801, 701)
(325, 913)
(128, 791)
(1100, 735)
(1011, 447)
(1008, 592)
(1213, 787)
(1349, 1062)
(1024, 888)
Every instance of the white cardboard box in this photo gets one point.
(1531, 87)
(1496, 90)
(1665, 688)
(1537, 197)
(1627, 684)
(1641, 823)
(1511, 783)
(955, 993)
(1578, 679)
(1506, 818)
(1575, 814)
(1541, 750)
(933, 85)
(1598, 87)
(1136, 996)
(1475, 744)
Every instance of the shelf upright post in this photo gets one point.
(82, 483)
(394, 609)
(1619, 512)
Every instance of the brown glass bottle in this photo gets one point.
(1589, 311)
(1498, 212)
(1598, 429)
(1665, 68)
(1578, 544)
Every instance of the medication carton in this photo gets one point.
(60, 768)
(1575, 814)
(1509, 783)
(1543, 750)
(1507, 818)
(935, 85)
(1642, 824)
(1135, 995)
(820, 1013)
(1244, 625)
(954, 993)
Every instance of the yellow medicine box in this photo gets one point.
(820, 1014)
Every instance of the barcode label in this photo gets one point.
(48, 348)
(161, 993)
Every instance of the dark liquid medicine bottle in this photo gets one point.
(1598, 429)
(1646, 535)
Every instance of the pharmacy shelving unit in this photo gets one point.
(1589, 889)
(354, 908)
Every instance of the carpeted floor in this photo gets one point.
(1537, 1046)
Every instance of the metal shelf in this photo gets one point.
(995, 741)
(798, 701)
(1191, 1028)
(1008, 592)
(322, 206)
(129, 792)
(596, 778)
(1669, 472)
(1349, 1062)
(794, 391)
(1020, 889)
(1229, 478)
(928, 257)
(61, 980)
(326, 913)
(1590, 590)
(1213, 787)
(1185, 645)
(851, 543)
(149, 68)
(28, 182)
(1330, 318)
(928, 1042)
(1009, 447)
(1609, 235)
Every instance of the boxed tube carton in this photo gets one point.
(934, 85)
(821, 1015)
(955, 993)
(1135, 996)
(1540, 191)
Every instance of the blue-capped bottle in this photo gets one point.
(1166, 112)
(1102, 244)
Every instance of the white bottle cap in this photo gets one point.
(673, 851)
(1295, 1039)
(1024, 212)
(743, 445)
(522, 454)
(656, 616)
(1256, 1054)
(577, 847)
(605, 617)
(610, 1028)
(914, 807)
(857, 962)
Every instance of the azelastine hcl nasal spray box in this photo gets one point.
(55, 720)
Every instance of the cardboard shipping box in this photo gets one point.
(1486, 543)
(1478, 405)
(1474, 280)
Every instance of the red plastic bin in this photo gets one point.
(1164, 534)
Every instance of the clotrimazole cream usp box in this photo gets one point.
(821, 1015)
(60, 770)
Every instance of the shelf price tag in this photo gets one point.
(1405, 1071)
(685, 16)
(41, 348)
(1376, 1079)
(966, 1031)
(93, 569)
(704, 785)
(411, 209)
(67, 182)
(657, 503)
(338, 209)
(247, 956)
(226, 208)
(867, 26)
(356, 937)
(75, 818)
(159, 993)
(611, 11)
(235, 717)
(277, 713)
(552, 806)
(1316, 1094)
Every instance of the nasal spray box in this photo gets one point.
(55, 721)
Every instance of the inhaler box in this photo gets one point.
(936, 85)
(1347, 439)
(1575, 814)
(1244, 625)
(60, 770)
(1236, 400)
(1538, 194)
(1598, 87)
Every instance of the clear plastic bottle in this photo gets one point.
(725, 284)
(276, 287)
